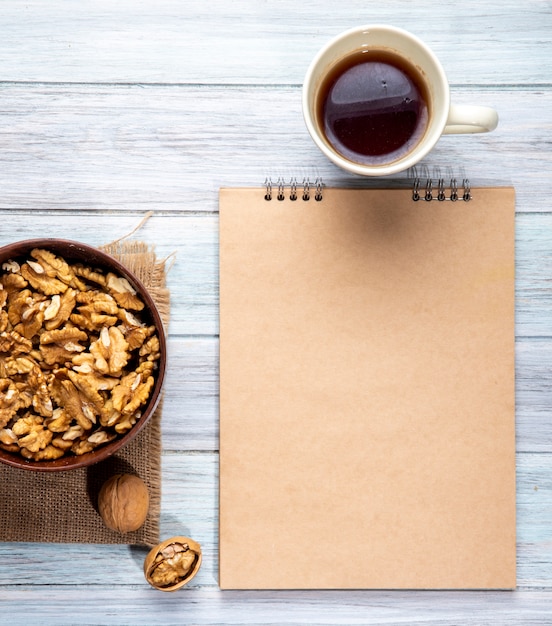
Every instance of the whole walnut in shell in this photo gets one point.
(123, 502)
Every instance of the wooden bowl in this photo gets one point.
(76, 252)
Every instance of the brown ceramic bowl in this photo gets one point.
(76, 252)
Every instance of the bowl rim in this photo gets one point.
(102, 260)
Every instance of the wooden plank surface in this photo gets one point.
(168, 41)
(140, 606)
(110, 110)
(191, 240)
(170, 147)
(189, 507)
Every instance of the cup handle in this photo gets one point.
(465, 118)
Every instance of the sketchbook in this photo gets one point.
(367, 413)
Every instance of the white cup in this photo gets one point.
(443, 117)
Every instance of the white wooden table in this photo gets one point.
(112, 109)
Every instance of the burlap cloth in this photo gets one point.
(61, 506)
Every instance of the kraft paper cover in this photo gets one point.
(367, 416)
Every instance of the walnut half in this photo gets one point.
(173, 563)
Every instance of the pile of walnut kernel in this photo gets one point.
(77, 364)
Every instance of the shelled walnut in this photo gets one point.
(73, 338)
(173, 563)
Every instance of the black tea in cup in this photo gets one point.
(373, 106)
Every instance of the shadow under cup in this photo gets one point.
(338, 65)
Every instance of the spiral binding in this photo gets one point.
(427, 193)
(278, 191)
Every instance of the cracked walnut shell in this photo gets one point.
(173, 563)
(123, 502)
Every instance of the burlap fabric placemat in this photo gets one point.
(62, 506)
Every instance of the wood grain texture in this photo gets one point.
(190, 508)
(104, 585)
(109, 110)
(169, 148)
(169, 41)
(191, 242)
(141, 606)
